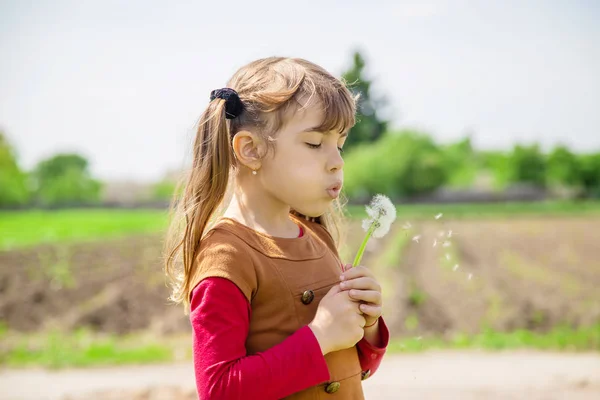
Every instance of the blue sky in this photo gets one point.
(123, 82)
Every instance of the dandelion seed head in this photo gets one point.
(366, 224)
(382, 213)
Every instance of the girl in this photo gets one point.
(274, 312)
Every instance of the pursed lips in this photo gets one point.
(334, 190)
(336, 186)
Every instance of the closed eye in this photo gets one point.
(316, 146)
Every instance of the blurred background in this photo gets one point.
(479, 119)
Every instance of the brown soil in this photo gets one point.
(526, 273)
(113, 286)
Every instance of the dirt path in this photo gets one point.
(434, 375)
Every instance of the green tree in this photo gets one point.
(498, 164)
(527, 164)
(163, 190)
(590, 174)
(563, 167)
(461, 163)
(400, 164)
(13, 181)
(64, 179)
(369, 127)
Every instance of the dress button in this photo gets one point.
(332, 387)
(308, 296)
(365, 374)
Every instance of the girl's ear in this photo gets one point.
(247, 148)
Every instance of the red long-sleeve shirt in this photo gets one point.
(220, 317)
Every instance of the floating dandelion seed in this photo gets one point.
(416, 238)
(440, 233)
(470, 276)
(450, 233)
(420, 337)
(382, 213)
(439, 216)
(446, 244)
(447, 256)
(455, 267)
(406, 227)
(434, 242)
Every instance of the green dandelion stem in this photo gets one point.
(361, 250)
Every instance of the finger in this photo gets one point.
(356, 272)
(371, 310)
(362, 283)
(370, 296)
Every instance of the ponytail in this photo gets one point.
(204, 191)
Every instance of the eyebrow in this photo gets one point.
(316, 129)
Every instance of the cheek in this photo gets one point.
(292, 175)
(298, 176)
(297, 165)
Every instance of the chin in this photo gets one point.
(312, 213)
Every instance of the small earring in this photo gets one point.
(254, 172)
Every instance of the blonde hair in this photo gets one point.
(270, 89)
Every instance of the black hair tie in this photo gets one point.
(233, 103)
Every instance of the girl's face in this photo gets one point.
(306, 169)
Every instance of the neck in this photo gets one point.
(262, 213)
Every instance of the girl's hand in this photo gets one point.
(365, 289)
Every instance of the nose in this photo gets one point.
(336, 162)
